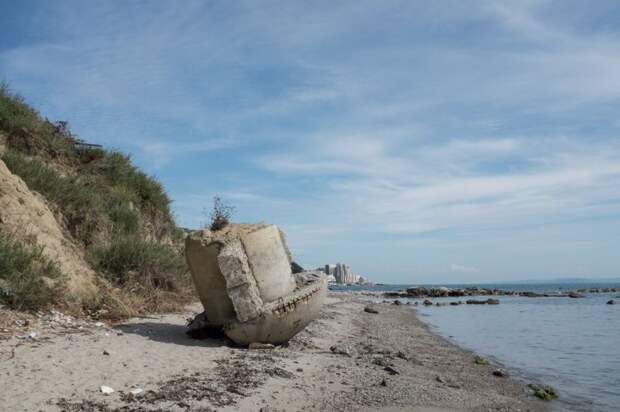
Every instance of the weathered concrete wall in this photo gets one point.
(209, 281)
(240, 283)
(269, 260)
(282, 319)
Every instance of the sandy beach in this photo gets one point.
(347, 359)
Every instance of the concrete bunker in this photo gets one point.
(243, 276)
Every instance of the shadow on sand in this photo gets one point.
(170, 333)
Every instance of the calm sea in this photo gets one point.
(571, 344)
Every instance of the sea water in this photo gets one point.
(570, 344)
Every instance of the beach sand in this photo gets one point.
(388, 361)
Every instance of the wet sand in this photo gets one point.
(346, 360)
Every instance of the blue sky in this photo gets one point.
(452, 141)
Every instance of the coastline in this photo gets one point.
(388, 361)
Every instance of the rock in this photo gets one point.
(397, 302)
(260, 346)
(106, 353)
(500, 373)
(200, 328)
(479, 360)
(492, 301)
(454, 303)
(575, 295)
(382, 361)
(544, 392)
(427, 302)
(296, 268)
(611, 302)
(531, 294)
(402, 355)
(282, 373)
(391, 370)
(476, 302)
(341, 349)
(136, 391)
(106, 390)
(417, 292)
(443, 291)
(440, 379)
(370, 309)
(383, 382)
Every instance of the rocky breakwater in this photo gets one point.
(441, 292)
(243, 276)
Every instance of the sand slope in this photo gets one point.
(25, 214)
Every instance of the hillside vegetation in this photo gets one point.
(117, 215)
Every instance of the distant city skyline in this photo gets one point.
(420, 142)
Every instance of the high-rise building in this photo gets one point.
(342, 273)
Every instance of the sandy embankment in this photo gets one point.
(395, 364)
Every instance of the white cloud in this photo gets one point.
(446, 187)
(160, 152)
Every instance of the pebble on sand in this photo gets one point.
(106, 390)
(370, 309)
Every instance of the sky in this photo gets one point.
(418, 142)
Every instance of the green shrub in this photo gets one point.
(124, 219)
(29, 133)
(479, 360)
(544, 392)
(15, 114)
(128, 260)
(30, 281)
(220, 214)
(117, 170)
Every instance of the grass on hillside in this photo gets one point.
(119, 214)
(28, 280)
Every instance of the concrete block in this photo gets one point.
(243, 276)
(269, 261)
(209, 282)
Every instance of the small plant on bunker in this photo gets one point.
(221, 214)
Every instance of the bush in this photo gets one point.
(544, 392)
(15, 114)
(130, 260)
(479, 360)
(30, 281)
(117, 170)
(28, 132)
(221, 214)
